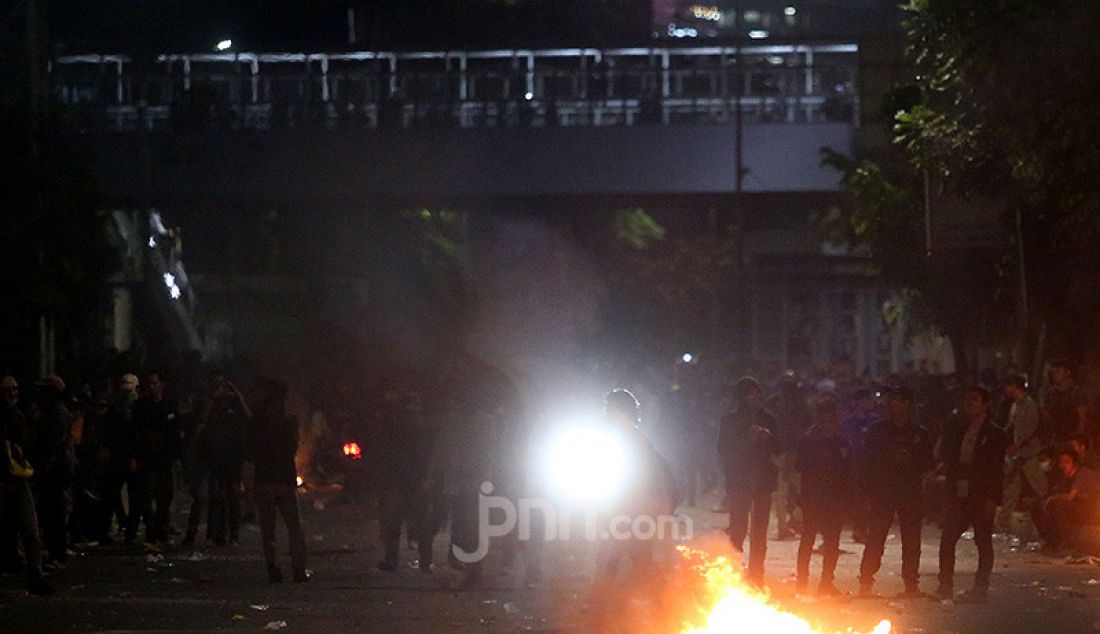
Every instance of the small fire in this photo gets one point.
(300, 480)
(728, 604)
(352, 450)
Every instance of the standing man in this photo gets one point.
(1025, 478)
(860, 420)
(746, 446)
(825, 461)
(404, 449)
(16, 500)
(899, 453)
(792, 419)
(157, 450)
(972, 451)
(223, 438)
(273, 442)
(54, 463)
(1063, 403)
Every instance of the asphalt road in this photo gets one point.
(123, 589)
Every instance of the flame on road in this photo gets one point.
(726, 603)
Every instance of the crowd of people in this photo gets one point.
(1000, 459)
(806, 454)
(84, 469)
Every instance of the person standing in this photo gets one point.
(404, 452)
(972, 451)
(1063, 403)
(792, 419)
(226, 418)
(857, 423)
(273, 443)
(54, 462)
(156, 451)
(824, 459)
(746, 447)
(898, 455)
(1025, 477)
(16, 499)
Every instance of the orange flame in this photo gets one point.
(727, 604)
(352, 450)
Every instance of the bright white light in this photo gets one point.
(687, 357)
(224, 45)
(675, 31)
(790, 11)
(758, 34)
(529, 96)
(587, 463)
(173, 288)
(152, 242)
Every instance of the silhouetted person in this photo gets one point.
(223, 438)
(1063, 403)
(156, 451)
(273, 442)
(54, 462)
(899, 453)
(824, 458)
(745, 449)
(17, 508)
(404, 452)
(972, 451)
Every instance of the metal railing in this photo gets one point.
(557, 87)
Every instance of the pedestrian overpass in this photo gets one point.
(352, 128)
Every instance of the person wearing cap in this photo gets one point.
(898, 455)
(746, 447)
(824, 459)
(52, 455)
(16, 499)
(1062, 403)
(972, 450)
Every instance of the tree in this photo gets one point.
(1001, 113)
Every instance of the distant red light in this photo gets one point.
(352, 450)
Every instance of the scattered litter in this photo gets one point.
(275, 625)
(317, 537)
(511, 608)
(177, 580)
(489, 602)
(196, 556)
(260, 607)
(1091, 582)
(1034, 546)
(238, 617)
(150, 569)
(79, 586)
(968, 535)
(154, 558)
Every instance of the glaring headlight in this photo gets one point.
(586, 464)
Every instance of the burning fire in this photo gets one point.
(728, 604)
(352, 450)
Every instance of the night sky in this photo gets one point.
(140, 26)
